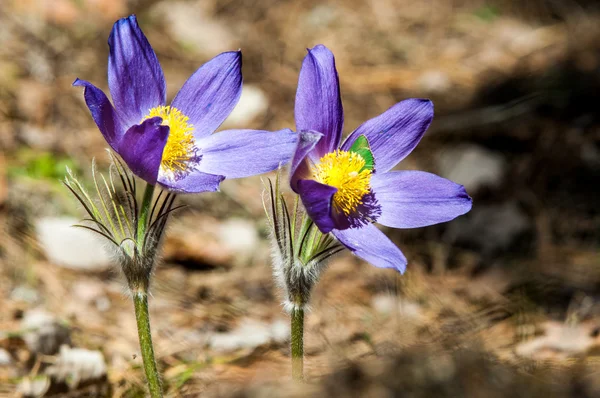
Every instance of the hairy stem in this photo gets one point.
(297, 343)
(140, 301)
(142, 316)
(144, 214)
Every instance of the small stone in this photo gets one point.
(472, 166)
(71, 247)
(491, 228)
(24, 293)
(5, 358)
(77, 365)
(280, 331)
(3, 181)
(43, 333)
(389, 304)
(253, 103)
(240, 237)
(190, 24)
(34, 386)
(250, 334)
(434, 82)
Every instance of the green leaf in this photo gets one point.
(361, 147)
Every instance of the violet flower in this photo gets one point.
(174, 145)
(346, 188)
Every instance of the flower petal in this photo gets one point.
(135, 78)
(370, 244)
(195, 182)
(395, 133)
(142, 147)
(102, 111)
(210, 94)
(411, 199)
(318, 102)
(299, 168)
(317, 199)
(243, 153)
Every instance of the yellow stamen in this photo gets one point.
(342, 169)
(180, 148)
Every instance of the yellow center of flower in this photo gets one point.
(180, 148)
(345, 171)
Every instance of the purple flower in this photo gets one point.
(174, 145)
(346, 188)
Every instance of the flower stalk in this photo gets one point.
(297, 343)
(142, 316)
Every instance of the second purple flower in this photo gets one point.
(346, 187)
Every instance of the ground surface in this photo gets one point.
(504, 300)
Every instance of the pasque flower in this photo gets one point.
(174, 145)
(347, 187)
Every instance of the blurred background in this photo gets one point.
(504, 300)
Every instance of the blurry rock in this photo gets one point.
(389, 304)
(5, 358)
(321, 16)
(250, 334)
(3, 184)
(253, 103)
(36, 137)
(434, 82)
(472, 166)
(34, 386)
(193, 241)
(561, 340)
(33, 100)
(71, 247)
(491, 228)
(109, 10)
(24, 293)
(92, 292)
(75, 366)
(190, 25)
(43, 333)
(240, 237)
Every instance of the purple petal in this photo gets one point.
(142, 147)
(210, 94)
(135, 77)
(195, 182)
(317, 199)
(102, 111)
(395, 133)
(243, 153)
(318, 101)
(370, 244)
(411, 199)
(299, 168)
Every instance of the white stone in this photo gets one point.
(189, 24)
(72, 247)
(472, 166)
(253, 103)
(240, 236)
(250, 334)
(434, 82)
(44, 334)
(5, 358)
(77, 365)
(389, 304)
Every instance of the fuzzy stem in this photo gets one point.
(143, 216)
(297, 343)
(140, 302)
